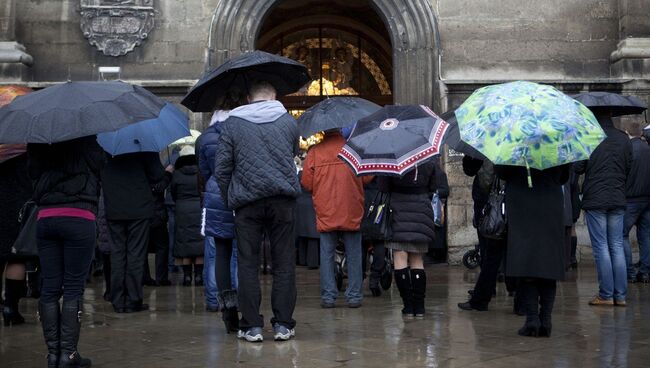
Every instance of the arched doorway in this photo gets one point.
(344, 55)
(410, 26)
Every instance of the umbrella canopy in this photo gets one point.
(393, 140)
(286, 75)
(75, 109)
(452, 137)
(333, 113)
(151, 135)
(528, 124)
(613, 102)
(190, 140)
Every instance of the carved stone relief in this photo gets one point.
(116, 27)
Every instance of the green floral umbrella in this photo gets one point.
(528, 124)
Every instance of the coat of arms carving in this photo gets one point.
(116, 27)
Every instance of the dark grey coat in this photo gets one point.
(535, 221)
(255, 155)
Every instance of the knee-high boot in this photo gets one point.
(70, 329)
(530, 300)
(419, 283)
(547, 290)
(49, 314)
(403, 282)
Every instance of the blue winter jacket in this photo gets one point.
(219, 220)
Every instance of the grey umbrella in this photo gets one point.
(612, 102)
(335, 112)
(76, 109)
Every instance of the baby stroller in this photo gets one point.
(386, 278)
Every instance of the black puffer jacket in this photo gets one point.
(255, 155)
(606, 170)
(188, 241)
(66, 174)
(410, 200)
(638, 182)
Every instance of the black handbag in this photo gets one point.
(376, 221)
(494, 220)
(25, 243)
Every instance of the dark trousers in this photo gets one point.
(276, 216)
(65, 247)
(127, 261)
(158, 242)
(308, 252)
(494, 252)
(222, 257)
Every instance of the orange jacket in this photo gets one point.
(337, 192)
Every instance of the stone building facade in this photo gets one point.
(439, 50)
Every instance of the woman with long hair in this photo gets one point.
(66, 191)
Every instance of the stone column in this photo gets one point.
(631, 59)
(14, 60)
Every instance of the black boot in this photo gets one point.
(70, 329)
(227, 300)
(373, 282)
(547, 291)
(187, 275)
(574, 247)
(419, 282)
(403, 282)
(49, 314)
(530, 300)
(106, 259)
(15, 289)
(198, 275)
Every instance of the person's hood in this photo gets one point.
(187, 165)
(261, 112)
(219, 116)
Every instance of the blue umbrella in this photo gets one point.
(151, 135)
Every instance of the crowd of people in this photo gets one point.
(238, 186)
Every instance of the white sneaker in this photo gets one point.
(282, 333)
(253, 334)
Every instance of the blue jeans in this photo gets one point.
(352, 241)
(637, 213)
(209, 279)
(209, 275)
(606, 233)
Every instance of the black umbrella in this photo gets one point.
(452, 137)
(333, 113)
(286, 75)
(612, 102)
(75, 109)
(393, 140)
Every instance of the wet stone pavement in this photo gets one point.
(177, 332)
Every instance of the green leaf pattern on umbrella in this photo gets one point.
(527, 124)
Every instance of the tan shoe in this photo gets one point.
(620, 303)
(597, 300)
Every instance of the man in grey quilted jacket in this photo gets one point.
(257, 176)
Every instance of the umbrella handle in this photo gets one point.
(169, 157)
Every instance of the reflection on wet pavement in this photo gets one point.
(177, 332)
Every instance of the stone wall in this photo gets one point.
(527, 39)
